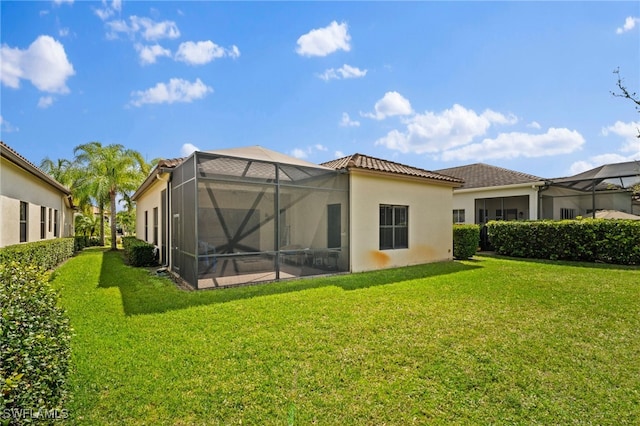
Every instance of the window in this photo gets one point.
(334, 226)
(394, 227)
(24, 214)
(146, 225)
(43, 223)
(458, 216)
(50, 219)
(567, 213)
(56, 232)
(155, 226)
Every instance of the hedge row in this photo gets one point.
(466, 239)
(138, 252)
(47, 253)
(601, 240)
(34, 332)
(82, 241)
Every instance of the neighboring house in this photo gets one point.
(607, 187)
(34, 206)
(495, 193)
(247, 215)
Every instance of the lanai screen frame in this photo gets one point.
(604, 180)
(210, 190)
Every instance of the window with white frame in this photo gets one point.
(458, 216)
(24, 221)
(394, 227)
(567, 213)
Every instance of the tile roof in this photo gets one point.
(359, 161)
(482, 175)
(13, 156)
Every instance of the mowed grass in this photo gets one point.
(485, 341)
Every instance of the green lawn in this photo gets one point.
(486, 341)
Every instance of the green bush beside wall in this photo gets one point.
(34, 344)
(466, 239)
(47, 253)
(138, 252)
(601, 240)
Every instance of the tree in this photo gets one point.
(633, 97)
(625, 93)
(108, 171)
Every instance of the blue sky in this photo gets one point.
(524, 86)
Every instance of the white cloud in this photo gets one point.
(323, 41)
(59, 2)
(202, 52)
(628, 131)
(63, 32)
(177, 90)
(629, 24)
(107, 10)
(44, 63)
(599, 160)
(148, 29)
(299, 153)
(45, 102)
(392, 103)
(7, 127)
(188, 149)
(348, 122)
(339, 154)
(149, 54)
(534, 125)
(436, 132)
(346, 71)
(306, 152)
(513, 145)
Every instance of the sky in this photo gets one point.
(521, 85)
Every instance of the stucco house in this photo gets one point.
(495, 193)
(34, 206)
(245, 215)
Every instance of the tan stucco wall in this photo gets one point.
(18, 185)
(430, 227)
(147, 201)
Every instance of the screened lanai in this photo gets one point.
(608, 187)
(250, 214)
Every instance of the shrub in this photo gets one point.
(605, 240)
(465, 240)
(48, 253)
(80, 242)
(138, 252)
(34, 344)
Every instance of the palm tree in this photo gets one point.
(108, 171)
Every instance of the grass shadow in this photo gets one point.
(143, 292)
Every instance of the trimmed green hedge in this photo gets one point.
(34, 345)
(138, 252)
(603, 240)
(47, 253)
(466, 239)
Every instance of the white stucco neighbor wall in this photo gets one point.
(465, 198)
(18, 185)
(430, 227)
